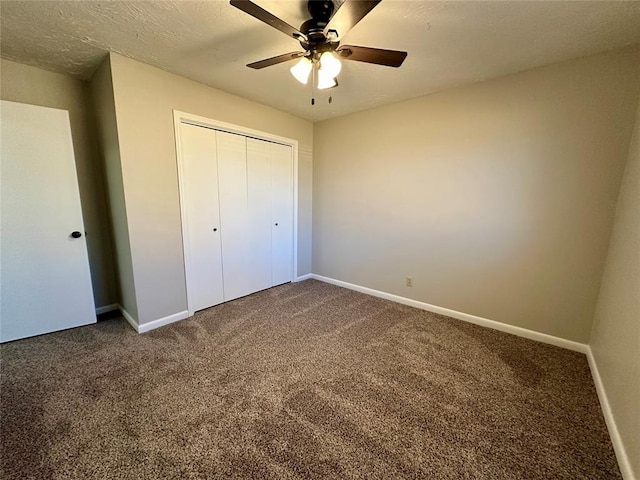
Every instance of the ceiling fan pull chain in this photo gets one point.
(313, 83)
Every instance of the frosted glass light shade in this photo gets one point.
(325, 81)
(301, 70)
(330, 64)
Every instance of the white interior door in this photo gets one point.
(281, 214)
(45, 284)
(259, 206)
(234, 215)
(201, 217)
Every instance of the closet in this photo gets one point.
(237, 214)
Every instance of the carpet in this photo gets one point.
(302, 381)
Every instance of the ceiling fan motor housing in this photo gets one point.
(320, 9)
(321, 12)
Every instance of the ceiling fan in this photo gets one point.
(320, 38)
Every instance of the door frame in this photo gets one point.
(200, 121)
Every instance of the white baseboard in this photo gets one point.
(302, 278)
(484, 322)
(132, 321)
(107, 308)
(616, 439)
(161, 322)
(146, 327)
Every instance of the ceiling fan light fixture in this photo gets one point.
(320, 42)
(325, 81)
(330, 65)
(301, 70)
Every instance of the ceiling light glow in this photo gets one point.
(330, 65)
(325, 81)
(301, 70)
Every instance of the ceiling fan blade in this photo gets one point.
(348, 14)
(276, 60)
(261, 14)
(390, 58)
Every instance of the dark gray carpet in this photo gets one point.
(304, 380)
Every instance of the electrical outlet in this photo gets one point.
(409, 281)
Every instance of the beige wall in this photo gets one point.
(107, 134)
(615, 341)
(144, 101)
(26, 84)
(497, 198)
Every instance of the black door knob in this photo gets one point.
(215, 229)
(76, 234)
(276, 224)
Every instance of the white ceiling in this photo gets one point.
(449, 43)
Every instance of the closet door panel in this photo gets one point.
(201, 216)
(259, 211)
(234, 215)
(281, 214)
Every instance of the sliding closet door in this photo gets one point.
(281, 214)
(259, 209)
(201, 218)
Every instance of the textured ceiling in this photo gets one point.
(449, 43)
